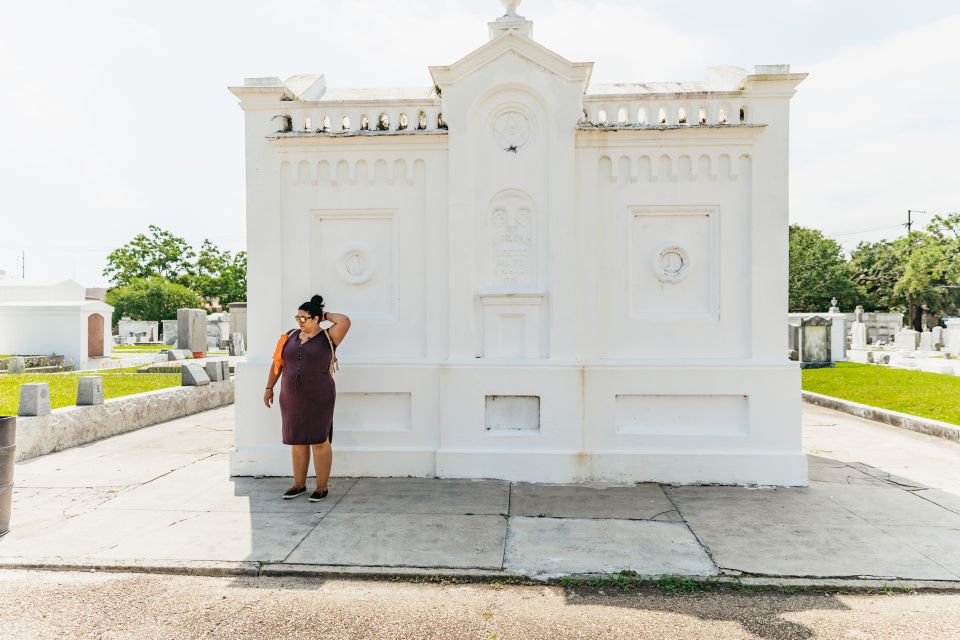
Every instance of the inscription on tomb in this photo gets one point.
(512, 243)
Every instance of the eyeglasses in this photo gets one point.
(301, 319)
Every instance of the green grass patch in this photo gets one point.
(63, 386)
(928, 395)
(140, 348)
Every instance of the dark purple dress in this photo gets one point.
(307, 390)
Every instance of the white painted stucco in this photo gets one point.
(619, 288)
(50, 319)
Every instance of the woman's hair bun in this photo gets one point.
(318, 300)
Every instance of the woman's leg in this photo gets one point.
(300, 453)
(322, 461)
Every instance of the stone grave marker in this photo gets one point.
(814, 343)
(237, 348)
(90, 391)
(16, 364)
(225, 365)
(34, 399)
(193, 375)
(214, 371)
(937, 337)
(926, 341)
(907, 340)
(192, 330)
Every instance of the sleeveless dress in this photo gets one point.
(307, 390)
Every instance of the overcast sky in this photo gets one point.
(115, 115)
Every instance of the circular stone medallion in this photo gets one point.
(511, 129)
(356, 265)
(671, 263)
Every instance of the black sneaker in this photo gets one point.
(318, 495)
(293, 492)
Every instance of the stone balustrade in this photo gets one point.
(341, 118)
(658, 110)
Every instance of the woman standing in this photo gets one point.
(306, 357)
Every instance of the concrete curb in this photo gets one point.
(73, 426)
(926, 426)
(226, 569)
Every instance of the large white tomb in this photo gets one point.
(548, 280)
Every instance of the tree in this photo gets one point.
(151, 298)
(159, 254)
(931, 273)
(818, 272)
(876, 267)
(219, 277)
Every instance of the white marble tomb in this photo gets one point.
(549, 279)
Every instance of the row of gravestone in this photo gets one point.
(35, 396)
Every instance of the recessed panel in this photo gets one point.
(513, 413)
(689, 415)
(353, 260)
(673, 262)
(372, 412)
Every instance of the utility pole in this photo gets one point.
(917, 322)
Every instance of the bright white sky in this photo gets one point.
(115, 114)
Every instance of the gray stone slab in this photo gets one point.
(16, 364)
(264, 495)
(843, 475)
(34, 399)
(892, 507)
(743, 505)
(814, 550)
(193, 375)
(557, 546)
(190, 535)
(939, 544)
(405, 540)
(214, 371)
(224, 369)
(89, 390)
(426, 495)
(54, 535)
(637, 502)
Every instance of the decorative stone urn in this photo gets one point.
(510, 6)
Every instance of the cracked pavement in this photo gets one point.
(882, 503)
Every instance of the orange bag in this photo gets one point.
(278, 352)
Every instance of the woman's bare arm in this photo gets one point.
(341, 324)
(272, 377)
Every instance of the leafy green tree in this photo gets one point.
(876, 267)
(931, 275)
(152, 298)
(818, 272)
(159, 254)
(219, 276)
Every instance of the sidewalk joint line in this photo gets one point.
(705, 548)
(314, 527)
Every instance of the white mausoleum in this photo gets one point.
(549, 280)
(39, 318)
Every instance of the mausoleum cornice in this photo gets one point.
(367, 140)
(700, 135)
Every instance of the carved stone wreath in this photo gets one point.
(356, 265)
(671, 263)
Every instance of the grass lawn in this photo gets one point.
(140, 348)
(929, 395)
(63, 386)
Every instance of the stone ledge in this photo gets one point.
(926, 426)
(73, 426)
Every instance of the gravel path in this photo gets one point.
(97, 605)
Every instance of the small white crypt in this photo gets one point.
(548, 280)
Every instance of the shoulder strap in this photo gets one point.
(334, 365)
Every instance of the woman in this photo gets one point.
(305, 357)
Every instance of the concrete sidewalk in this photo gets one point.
(882, 504)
